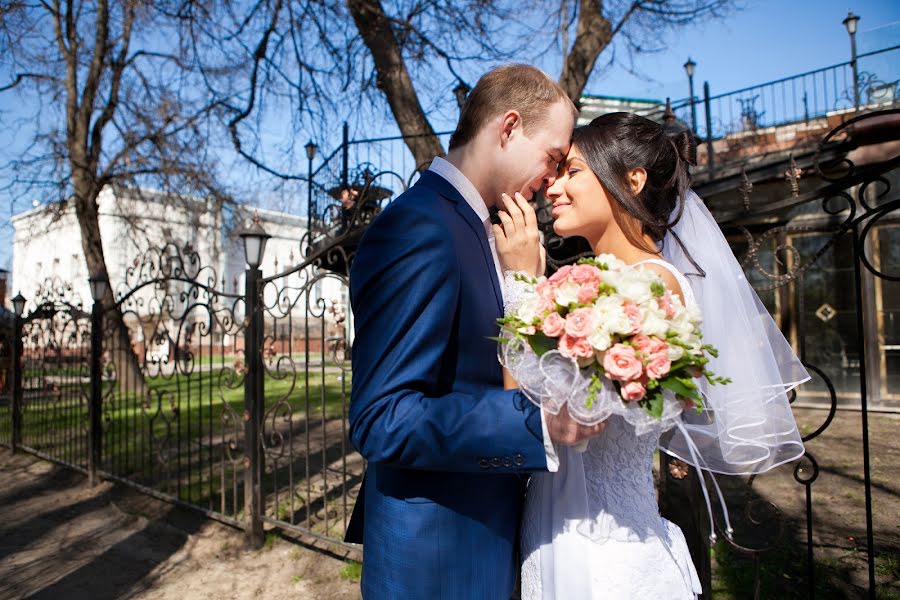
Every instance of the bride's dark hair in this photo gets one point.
(614, 144)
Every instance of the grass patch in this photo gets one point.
(352, 572)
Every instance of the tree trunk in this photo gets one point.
(393, 79)
(592, 36)
(117, 337)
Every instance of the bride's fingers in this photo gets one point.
(512, 208)
(527, 211)
(509, 227)
(499, 236)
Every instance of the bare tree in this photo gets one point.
(640, 24)
(398, 57)
(114, 90)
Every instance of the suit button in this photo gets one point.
(483, 463)
(519, 460)
(507, 462)
(495, 462)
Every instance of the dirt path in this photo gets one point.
(61, 539)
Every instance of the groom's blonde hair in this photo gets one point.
(522, 88)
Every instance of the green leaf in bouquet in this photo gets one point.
(541, 344)
(595, 386)
(605, 289)
(653, 403)
(593, 261)
(681, 386)
(658, 289)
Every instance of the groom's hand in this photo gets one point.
(568, 432)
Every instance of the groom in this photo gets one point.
(448, 449)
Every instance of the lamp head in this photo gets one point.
(850, 22)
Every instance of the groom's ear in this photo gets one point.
(511, 120)
(637, 178)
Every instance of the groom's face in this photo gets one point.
(529, 161)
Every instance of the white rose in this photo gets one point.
(693, 314)
(567, 293)
(635, 286)
(599, 339)
(675, 352)
(608, 314)
(528, 309)
(693, 343)
(681, 326)
(611, 261)
(654, 324)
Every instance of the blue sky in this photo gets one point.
(767, 40)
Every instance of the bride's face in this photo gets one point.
(581, 206)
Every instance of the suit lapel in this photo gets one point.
(445, 189)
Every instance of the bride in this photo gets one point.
(592, 529)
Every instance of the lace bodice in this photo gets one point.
(618, 469)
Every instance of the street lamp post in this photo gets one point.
(689, 69)
(19, 308)
(850, 23)
(98, 284)
(254, 238)
(310, 155)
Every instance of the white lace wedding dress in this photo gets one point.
(592, 530)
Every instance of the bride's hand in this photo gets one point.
(518, 241)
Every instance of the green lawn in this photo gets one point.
(177, 437)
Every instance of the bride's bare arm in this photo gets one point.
(509, 383)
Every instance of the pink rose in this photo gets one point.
(575, 347)
(648, 346)
(587, 292)
(621, 363)
(658, 365)
(634, 315)
(560, 276)
(582, 274)
(545, 290)
(633, 391)
(667, 304)
(553, 325)
(546, 305)
(580, 322)
(642, 343)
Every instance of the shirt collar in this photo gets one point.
(455, 177)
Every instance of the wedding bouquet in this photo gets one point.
(606, 338)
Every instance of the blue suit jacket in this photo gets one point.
(447, 446)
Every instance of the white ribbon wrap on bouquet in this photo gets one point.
(553, 380)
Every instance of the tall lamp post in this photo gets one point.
(850, 23)
(98, 284)
(689, 69)
(461, 91)
(310, 155)
(254, 238)
(19, 308)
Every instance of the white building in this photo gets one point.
(47, 245)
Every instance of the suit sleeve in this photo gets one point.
(404, 289)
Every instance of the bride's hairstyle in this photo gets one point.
(614, 144)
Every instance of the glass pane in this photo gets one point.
(888, 240)
(828, 320)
